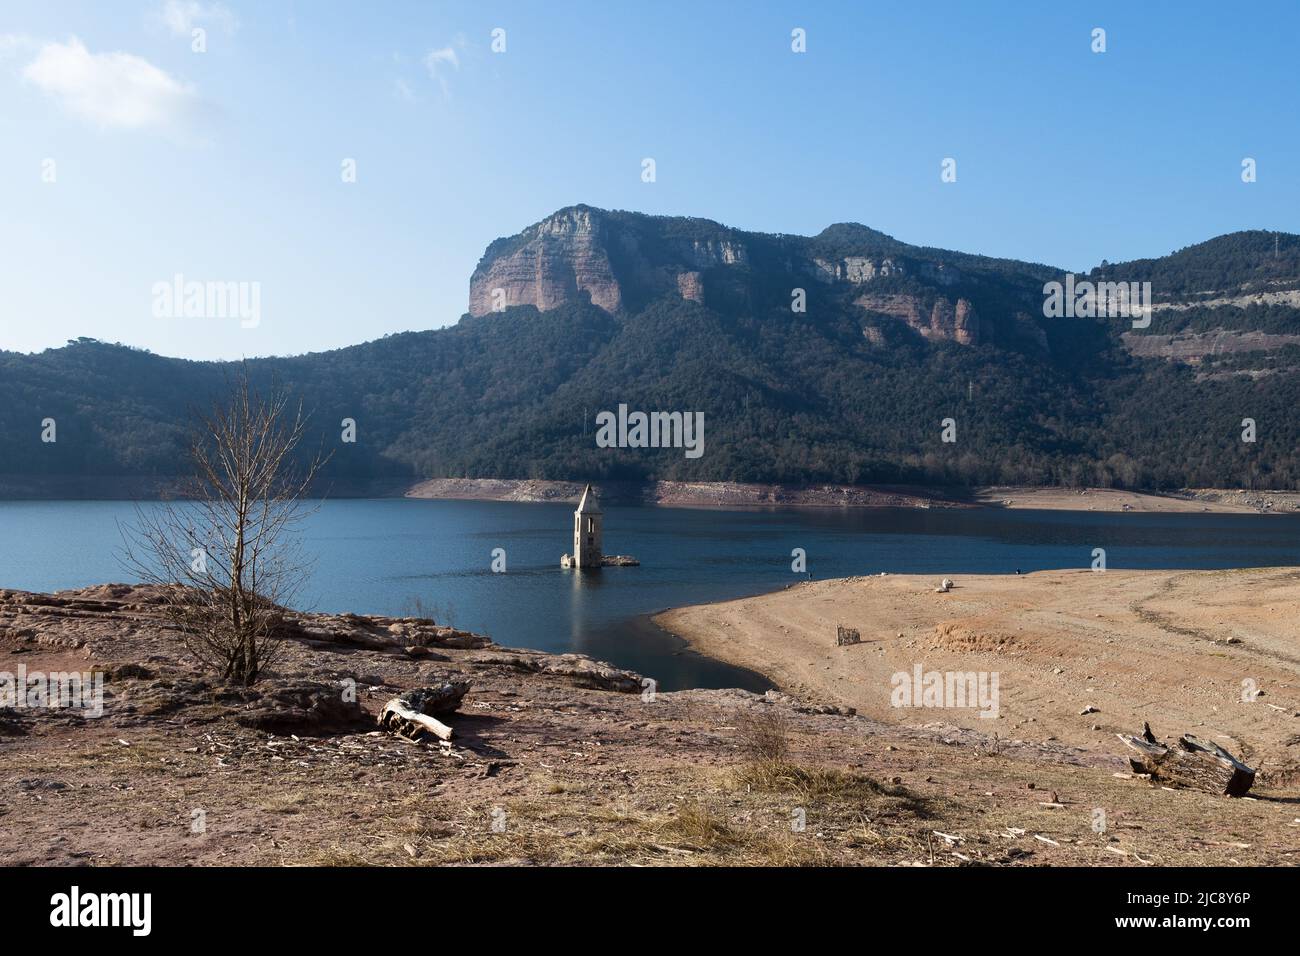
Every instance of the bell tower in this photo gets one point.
(587, 531)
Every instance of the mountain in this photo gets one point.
(622, 262)
(589, 309)
(1235, 294)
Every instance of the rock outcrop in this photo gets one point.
(939, 320)
(691, 286)
(707, 253)
(325, 667)
(858, 269)
(1193, 347)
(621, 261)
(579, 668)
(547, 265)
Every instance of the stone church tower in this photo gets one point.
(587, 531)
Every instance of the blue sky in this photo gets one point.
(225, 165)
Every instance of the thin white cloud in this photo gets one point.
(434, 59)
(442, 62)
(110, 90)
(182, 16)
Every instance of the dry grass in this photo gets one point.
(743, 816)
(292, 801)
(580, 832)
(828, 785)
(764, 735)
(695, 826)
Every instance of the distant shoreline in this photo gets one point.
(707, 494)
(704, 494)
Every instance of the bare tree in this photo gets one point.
(224, 553)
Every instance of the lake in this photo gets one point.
(393, 555)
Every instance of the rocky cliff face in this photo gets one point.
(859, 269)
(622, 261)
(939, 320)
(583, 251)
(691, 286)
(547, 265)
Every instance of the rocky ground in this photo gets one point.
(730, 494)
(554, 760)
(1206, 500)
(697, 494)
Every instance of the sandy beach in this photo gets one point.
(1181, 650)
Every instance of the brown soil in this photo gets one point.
(556, 760)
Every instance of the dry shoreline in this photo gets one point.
(705, 494)
(586, 767)
(1174, 648)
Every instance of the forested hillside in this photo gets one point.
(853, 389)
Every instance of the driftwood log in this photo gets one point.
(412, 713)
(400, 719)
(1191, 764)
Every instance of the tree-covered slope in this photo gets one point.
(852, 389)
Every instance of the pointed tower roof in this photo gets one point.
(588, 505)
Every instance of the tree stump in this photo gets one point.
(411, 714)
(1191, 764)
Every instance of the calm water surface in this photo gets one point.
(389, 556)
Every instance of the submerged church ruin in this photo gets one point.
(588, 530)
